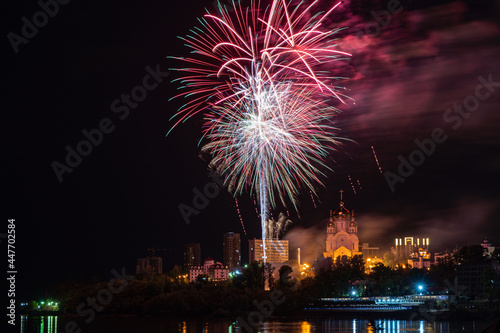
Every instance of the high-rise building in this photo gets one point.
(409, 247)
(232, 250)
(149, 265)
(470, 277)
(192, 254)
(369, 251)
(276, 250)
(342, 234)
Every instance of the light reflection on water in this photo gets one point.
(365, 325)
(55, 324)
(41, 324)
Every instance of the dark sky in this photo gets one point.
(123, 197)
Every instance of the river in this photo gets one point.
(57, 324)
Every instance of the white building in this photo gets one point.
(215, 270)
(421, 259)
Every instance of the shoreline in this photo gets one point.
(466, 314)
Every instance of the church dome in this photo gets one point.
(342, 212)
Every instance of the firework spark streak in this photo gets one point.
(312, 198)
(255, 205)
(262, 78)
(239, 215)
(376, 159)
(352, 185)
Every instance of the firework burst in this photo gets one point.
(261, 77)
(245, 44)
(275, 228)
(273, 139)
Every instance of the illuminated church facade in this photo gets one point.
(342, 234)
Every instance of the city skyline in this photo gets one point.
(402, 247)
(79, 74)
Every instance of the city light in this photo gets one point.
(306, 270)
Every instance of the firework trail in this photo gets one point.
(239, 215)
(259, 77)
(352, 184)
(255, 205)
(312, 198)
(376, 159)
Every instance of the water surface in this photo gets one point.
(56, 324)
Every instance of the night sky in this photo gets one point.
(123, 197)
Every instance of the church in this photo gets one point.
(342, 233)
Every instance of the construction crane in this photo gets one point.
(153, 250)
